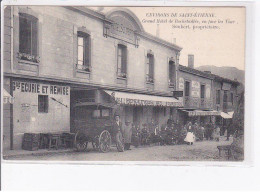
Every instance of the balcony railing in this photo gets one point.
(191, 102)
(227, 106)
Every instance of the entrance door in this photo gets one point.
(156, 114)
(137, 115)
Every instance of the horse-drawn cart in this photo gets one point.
(95, 125)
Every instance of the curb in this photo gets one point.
(6, 157)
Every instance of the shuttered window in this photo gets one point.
(202, 91)
(28, 34)
(171, 72)
(150, 68)
(122, 61)
(187, 88)
(232, 98)
(43, 103)
(84, 49)
(218, 97)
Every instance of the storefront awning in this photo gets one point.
(7, 97)
(228, 115)
(192, 113)
(143, 99)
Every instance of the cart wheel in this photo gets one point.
(81, 142)
(104, 141)
(95, 143)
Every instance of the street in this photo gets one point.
(199, 151)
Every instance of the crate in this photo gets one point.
(44, 141)
(31, 137)
(31, 146)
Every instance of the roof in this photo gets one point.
(195, 72)
(207, 75)
(106, 17)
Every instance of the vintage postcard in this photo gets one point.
(123, 83)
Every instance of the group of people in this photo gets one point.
(199, 132)
(170, 134)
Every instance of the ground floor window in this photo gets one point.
(43, 103)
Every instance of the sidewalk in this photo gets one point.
(41, 152)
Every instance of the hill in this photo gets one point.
(227, 72)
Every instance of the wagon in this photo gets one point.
(95, 126)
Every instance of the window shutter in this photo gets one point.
(86, 51)
(151, 66)
(147, 64)
(25, 35)
(124, 60)
(34, 38)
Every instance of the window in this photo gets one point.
(101, 113)
(83, 51)
(202, 91)
(150, 68)
(96, 113)
(225, 97)
(43, 103)
(121, 61)
(171, 72)
(218, 97)
(28, 37)
(232, 98)
(187, 88)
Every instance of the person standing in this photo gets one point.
(127, 135)
(190, 137)
(216, 133)
(117, 126)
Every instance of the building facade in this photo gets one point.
(206, 96)
(55, 57)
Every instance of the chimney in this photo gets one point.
(191, 61)
(158, 31)
(174, 40)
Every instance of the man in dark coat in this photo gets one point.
(127, 134)
(117, 127)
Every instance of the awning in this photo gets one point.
(192, 113)
(143, 99)
(231, 113)
(7, 97)
(228, 115)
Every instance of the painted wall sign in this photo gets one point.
(29, 87)
(181, 83)
(208, 89)
(195, 89)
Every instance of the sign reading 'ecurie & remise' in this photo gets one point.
(29, 87)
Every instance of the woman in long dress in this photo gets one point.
(190, 137)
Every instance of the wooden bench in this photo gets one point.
(226, 149)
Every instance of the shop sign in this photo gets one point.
(177, 94)
(138, 102)
(31, 87)
(120, 32)
(195, 89)
(203, 113)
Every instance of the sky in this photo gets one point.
(218, 47)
